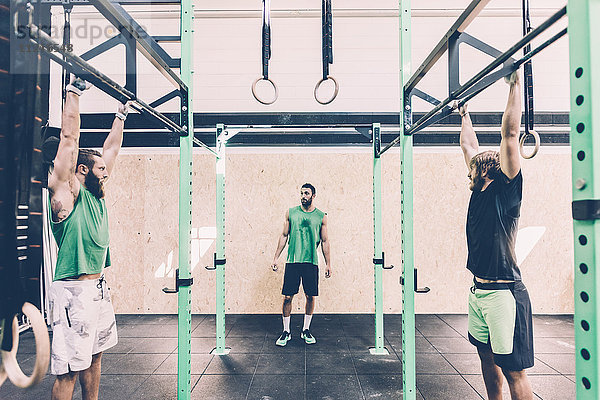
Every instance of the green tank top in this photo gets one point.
(82, 238)
(305, 235)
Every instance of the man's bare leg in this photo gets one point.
(520, 388)
(64, 385)
(90, 379)
(310, 305)
(492, 374)
(287, 305)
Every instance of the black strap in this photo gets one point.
(327, 26)
(527, 72)
(266, 39)
(66, 76)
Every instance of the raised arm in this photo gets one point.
(510, 161)
(282, 240)
(114, 140)
(468, 139)
(325, 247)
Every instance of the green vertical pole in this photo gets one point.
(584, 54)
(184, 320)
(408, 293)
(221, 136)
(377, 252)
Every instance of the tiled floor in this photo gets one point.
(339, 366)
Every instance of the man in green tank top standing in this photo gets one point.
(304, 228)
(81, 313)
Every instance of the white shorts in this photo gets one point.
(83, 323)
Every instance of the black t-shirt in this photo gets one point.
(492, 222)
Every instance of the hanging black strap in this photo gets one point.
(327, 22)
(266, 38)
(527, 72)
(66, 76)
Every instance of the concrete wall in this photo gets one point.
(262, 183)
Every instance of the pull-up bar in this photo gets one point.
(485, 72)
(83, 69)
(117, 16)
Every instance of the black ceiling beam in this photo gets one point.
(122, 2)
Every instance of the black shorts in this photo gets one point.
(500, 319)
(307, 272)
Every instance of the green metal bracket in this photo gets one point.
(409, 384)
(219, 264)
(584, 54)
(377, 252)
(184, 300)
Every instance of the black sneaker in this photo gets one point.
(284, 338)
(308, 338)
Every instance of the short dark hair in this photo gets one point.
(311, 187)
(488, 160)
(86, 157)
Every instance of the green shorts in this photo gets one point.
(500, 318)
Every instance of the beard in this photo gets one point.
(93, 184)
(306, 202)
(477, 182)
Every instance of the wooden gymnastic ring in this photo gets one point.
(42, 349)
(335, 91)
(258, 98)
(535, 149)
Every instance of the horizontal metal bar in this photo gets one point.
(459, 26)
(117, 16)
(77, 64)
(125, 2)
(201, 144)
(489, 68)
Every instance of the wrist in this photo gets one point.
(121, 116)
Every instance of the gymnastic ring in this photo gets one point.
(258, 98)
(42, 348)
(535, 149)
(335, 92)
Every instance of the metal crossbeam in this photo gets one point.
(459, 26)
(126, 2)
(117, 16)
(80, 67)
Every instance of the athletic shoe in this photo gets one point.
(284, 338)
(308, 338)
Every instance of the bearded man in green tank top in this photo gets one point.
(81, 313)
(305, 227)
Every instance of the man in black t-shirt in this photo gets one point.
(500, 319)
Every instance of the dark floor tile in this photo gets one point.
(159, 387)
(356, 318)
(476, 381)
(124, 346)
(422, 345)
(158, 319)
(552, 387)
(127, 318)
(359, 329)
(111, 361)
(328, 344)
(258, 332)
(333, 387)
(199, 364)
(281, 364)
(41, 391)
(154, 346)
(204, 330)
(233, 364)
(368, 364)
(563, 363)
(452, 345)
(445, 387)
(554, 345)
(136, 364)
(465, 363)
(432, 326)
(381, 386)
(221, 387)
(460, 322)
(117, 387)
(553, 326)
(245, 344)
(329, 364)
(147, 330)
(361, 344)
(204, 345)
(433, 364)
(291, 387)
